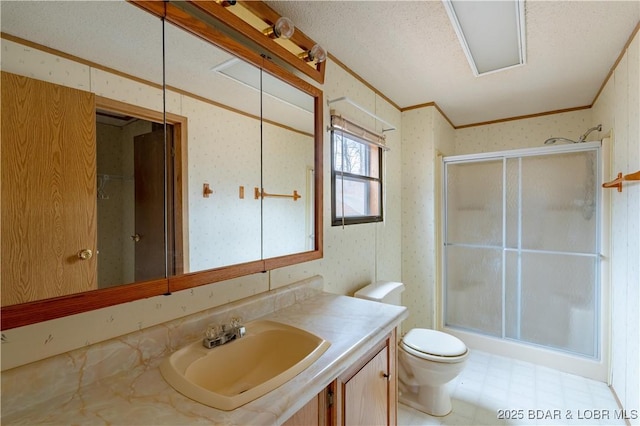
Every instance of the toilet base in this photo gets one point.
(434, 401)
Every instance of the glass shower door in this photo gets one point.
(552, 248)
(473, 246)
(521, 248)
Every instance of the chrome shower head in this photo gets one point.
(584, 136)
(581, 139)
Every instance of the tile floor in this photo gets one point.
(494, 390)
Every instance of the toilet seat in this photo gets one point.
(434, 345)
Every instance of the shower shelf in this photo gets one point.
(617, 183)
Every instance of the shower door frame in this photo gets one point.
(596, 367)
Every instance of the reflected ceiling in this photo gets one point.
(190, 60)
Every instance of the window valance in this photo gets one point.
(340, 123)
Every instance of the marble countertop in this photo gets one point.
(140, 396)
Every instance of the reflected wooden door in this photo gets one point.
(149, 237)
(48, 190)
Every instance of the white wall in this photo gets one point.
(618, 108)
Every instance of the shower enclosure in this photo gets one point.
(521, 246)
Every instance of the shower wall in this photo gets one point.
(425, 135)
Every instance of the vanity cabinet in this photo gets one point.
(313, 413)
(365, 398)
(366, 394)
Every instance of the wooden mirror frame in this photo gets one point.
(44, 310)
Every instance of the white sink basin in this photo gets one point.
(228, 376)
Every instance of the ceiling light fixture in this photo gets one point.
(317, 54)
(492, 33)
(283, 28)
(259, 26)
(247, 75)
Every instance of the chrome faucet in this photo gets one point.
(217, 335)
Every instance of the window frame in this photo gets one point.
(335, 174)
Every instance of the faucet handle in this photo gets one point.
(241, 331)
(213, 331)
(236, 322)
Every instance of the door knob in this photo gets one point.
(135, 238)
(85, 254)
(386, 376)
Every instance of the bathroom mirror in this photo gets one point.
(205, 87)
(67, 170)
(223, 150)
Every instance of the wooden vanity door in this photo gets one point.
(48, 190)
(366, 399)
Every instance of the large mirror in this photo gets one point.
(250, 139)
(67, 160)
(178, 176)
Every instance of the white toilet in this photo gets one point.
(428, 359)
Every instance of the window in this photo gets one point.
(356, 178)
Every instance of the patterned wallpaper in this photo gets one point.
(357, 255)
(288, 162)
(527, 133)
(235, 163)
(618, 109)
(426, 135)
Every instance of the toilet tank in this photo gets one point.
(382, 291)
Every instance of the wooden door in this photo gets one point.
(149, 235)
(366, 394)
(309, 415)
(48, 190)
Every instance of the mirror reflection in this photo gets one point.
(288, 177)
(222, 151)
(261, 132)
(145, 214)
(57, 71)
(131, 198)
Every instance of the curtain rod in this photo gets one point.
(346, 99)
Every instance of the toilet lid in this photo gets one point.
(434, 342)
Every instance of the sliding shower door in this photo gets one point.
(521, 246)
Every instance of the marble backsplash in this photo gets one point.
(67, 373)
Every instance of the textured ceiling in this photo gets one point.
(409, 52)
